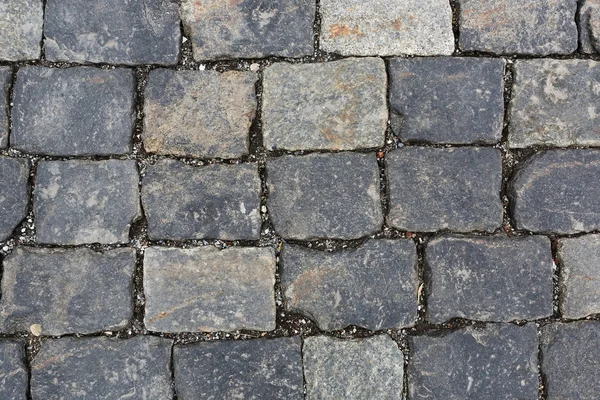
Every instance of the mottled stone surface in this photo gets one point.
(435, 189)
(13, 371)
(447, 100)
(67, 290)
(497, 362)
(555, 103)
(324, 195)
(206, 289)
(199, 113)
(73, 111)
(489, 278)
(248, 369)
(5, 80)
(589, 23)
(371, 368)
(373, 286)
(103, 368)
(14, 194)
(338, 105)
(21, 24)
(518, 26)
(81, 201)
(557, 191)
(112, 31)
(385, 28)
(216, 201)
(249, 28)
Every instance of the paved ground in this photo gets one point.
(321, 199)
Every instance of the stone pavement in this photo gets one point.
(300, 199)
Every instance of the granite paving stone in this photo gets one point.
(207, 289)
(21, 23)
(73, 111)
(84, 201)
(370, 368)
(324, 195)
(5, 81)
(433, 189)
(248, 369)
(489, 278)
(13, 370)
(103, 368)
(589, 26)
(199, 113)
(373, 286)
(14, 194)
(217, 201)
(496, 362)
(447, 99)
(338, 105)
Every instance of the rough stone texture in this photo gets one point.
(215, 201)
(248, 369)
(489, 278)
(14, 194)
(206, 289)
(447, 100)
(112, 31)
(67, 290)
(497, 362)
(324, 195)
(518, 26)
(21, 24)
(555, 103)
(73, 111)
(556, 191)
(102, 368)
(338, 105)
(199, 113)
(371, 368)
(81, 201)
(589, 22)
(435, 189)
(373, 286)
(385, 28)
(13, 371)
(5, 80)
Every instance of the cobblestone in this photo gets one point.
(13, 194)
(21, 29)
(5, 80)
(589, 30)
(13, 370)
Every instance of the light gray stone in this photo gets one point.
(13, 370)
(589, 26)
(21, 24)
(14, 194)
(5, 82)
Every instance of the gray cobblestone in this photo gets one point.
(13, 371)
(589, 26)
(5, 81)
(13, 194)
(21, 29)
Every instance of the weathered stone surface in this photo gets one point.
(81, 201)
(385, 28)
(518, 26)
(339, 105)
(73, 111)
(14, 194)
(103, 368)
(112, 31)
(13, 371)
(589, 22)
(557, 191)
(248, 369)
(249, 28)
(447, 100)
(199, 113)
(5, 79)
(371, 368)
(206, 289)
(555, 103)
(489, 278)
(435, 189)
(67, 290)
(373, 286)
(216, 201)
(21, 24)
(497, 362)
(324, 195)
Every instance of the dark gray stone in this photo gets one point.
(67, 290)
(112, 31)
(518, 26)
(435, 189)
(207, 289)
(81, 201)
(13, 371)
(21, 25)
(248, 369)
(73, 111)
(373, 286)
(496, 362)
(249, 28)
(103, 368)
(489, 278)
(14, 194)
(5, 81)
(370, 368)
(557, 191)
(447, 100)
(338, 105)
(216, 201)
(589, 26)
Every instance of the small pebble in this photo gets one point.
(36, 329)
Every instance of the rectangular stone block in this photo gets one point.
(14, 194)
(589, 26)
(13, 370)
(5, 82)
(21, 25)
